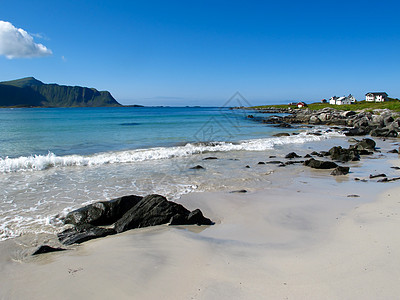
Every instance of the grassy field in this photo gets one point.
(392, 104)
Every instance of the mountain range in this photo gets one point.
(30, 92)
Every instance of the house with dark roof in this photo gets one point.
(376, 97)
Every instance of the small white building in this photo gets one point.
(376, 97)
(342, 100)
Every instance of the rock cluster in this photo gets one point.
(380, 122)
(336, 154)
(110, 217)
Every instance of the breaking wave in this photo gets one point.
(43, 162)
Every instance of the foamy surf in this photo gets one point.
(43, 162)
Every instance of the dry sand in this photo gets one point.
(303, 238)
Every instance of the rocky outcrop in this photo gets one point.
(156, 210)
(364, 145)
(126, 213)
(380, 122)
(83, 233)
(292, 155)
(344, 155)
(320, 164)
(103, 212)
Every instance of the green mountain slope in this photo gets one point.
(32, 92)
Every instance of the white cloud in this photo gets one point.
(17, 43)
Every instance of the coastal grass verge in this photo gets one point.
(392, 104)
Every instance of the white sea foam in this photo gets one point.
(42, 162)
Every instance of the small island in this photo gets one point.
(30, 92)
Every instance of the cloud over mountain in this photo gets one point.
(17, 43)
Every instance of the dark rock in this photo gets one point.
(248, 166)
(155, 210)
(210, 158)
(356, 132)
(315, 153)
(307, 156)
(344, 155)
(47, 249)
(239, 191)
(393, 179)
(272, 156)
(396, 168)
(393, 151)
(364, 144)
(377, 175)
(282, 134)
(261, 163)
(198, 167)
(319, 164)
(392, 133)
(102, 213)
(383, 180)
(365, 152)
(292, 155)
(340, 171)
(196, 217)
(383, 132)
(324, 153)
(83, 233)
(388, 120)
(353, 196)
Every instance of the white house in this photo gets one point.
(376, 97)
(342, 100)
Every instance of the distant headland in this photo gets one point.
(30, 92)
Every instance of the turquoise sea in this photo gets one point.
(84, 131)
(53, 160)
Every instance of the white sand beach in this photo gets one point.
(303, 237)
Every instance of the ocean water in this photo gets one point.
(53, 160)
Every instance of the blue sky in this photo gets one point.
(202, 52)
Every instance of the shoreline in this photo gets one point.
(289, 239)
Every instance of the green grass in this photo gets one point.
(392, 104)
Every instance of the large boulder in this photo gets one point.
(103, 212)
(320, 164)
(292, 155)
(384, 132)
(364, 144)
(340, 154)
(357, 131)
(83, 233)
(347, 113)
(314, 120)
(156, 210)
